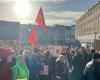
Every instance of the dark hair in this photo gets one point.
(93, 51)
(96, 56)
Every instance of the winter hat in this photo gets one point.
(61, 58)
(96, 56)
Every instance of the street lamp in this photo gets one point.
(95, 34)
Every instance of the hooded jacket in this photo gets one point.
(20, 70)
(5, 68)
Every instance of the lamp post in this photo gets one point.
(95, 35)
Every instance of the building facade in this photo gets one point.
(56, 35)
(64, 35)
(88, 26)
(61, 35)
(9, 30)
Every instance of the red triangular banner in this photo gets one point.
(33, 38)
(40, 20)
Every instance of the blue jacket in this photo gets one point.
(33, 67)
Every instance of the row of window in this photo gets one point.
(91, 21)
(88, 30)
(92, 11)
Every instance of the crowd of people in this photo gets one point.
(26, 63)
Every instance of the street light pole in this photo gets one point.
(95, 37)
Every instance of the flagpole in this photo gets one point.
(40, 21)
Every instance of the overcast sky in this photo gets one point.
(64, 12)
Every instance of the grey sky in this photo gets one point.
(55, 11)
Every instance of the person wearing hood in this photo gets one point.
(92, 69)
(20, 70)
(32, 64)
(61, 67)
(5, 64)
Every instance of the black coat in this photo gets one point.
(89, 72)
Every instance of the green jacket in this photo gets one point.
(20, 70)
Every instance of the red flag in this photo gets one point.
(33, 38)
(40, 20)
